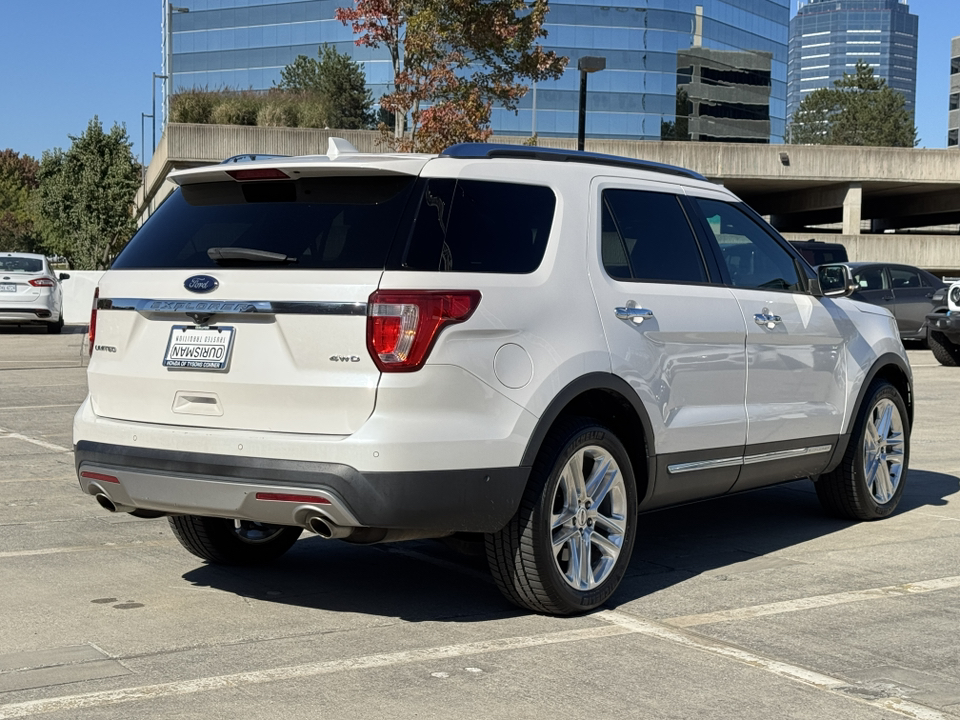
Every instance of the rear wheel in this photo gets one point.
(55, 328)
(568, 546)
(868, 482)
(944, 350)
(233, 542)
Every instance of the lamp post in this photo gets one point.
(143, 168)
(586, 65)
(168, 43)
(154, 115)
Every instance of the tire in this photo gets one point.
(944, 350)
(57, 327)
(233, 542)
(581, 495)
(869, 481)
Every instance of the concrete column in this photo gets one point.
(852, 206)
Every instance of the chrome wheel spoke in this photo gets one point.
(589, 518)
(601, 481)
(562, 537)
(615, 525)
(607, 547)
(565, 516)
(884, 449)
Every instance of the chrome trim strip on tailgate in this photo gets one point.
(146, 306)
(747, 460)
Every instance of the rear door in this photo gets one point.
(674, 333)
(913, 295)
(243, 306)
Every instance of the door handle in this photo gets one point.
(635, 314)
(766, 319)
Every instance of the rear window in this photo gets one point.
(328, 222)
(441, 225)
(20, 264)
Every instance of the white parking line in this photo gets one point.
(799, 674)
(70, 703)
(4, 434)
(815, 601)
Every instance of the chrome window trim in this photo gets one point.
(747, 459)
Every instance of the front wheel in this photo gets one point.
(944, 349)
(233, 542)
(868, 482)
(568, 546)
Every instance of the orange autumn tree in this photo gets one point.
(452, 60)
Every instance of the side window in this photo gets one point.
(903, 278)
(480, 226)
(646, 236)
(753, 258)
(871, 278)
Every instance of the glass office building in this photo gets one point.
(828, 37)
(675, 69)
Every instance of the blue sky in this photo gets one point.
(64, 61)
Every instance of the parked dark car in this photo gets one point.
(906, 291)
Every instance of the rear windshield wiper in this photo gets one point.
(230, 255)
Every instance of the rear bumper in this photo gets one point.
(476, 500)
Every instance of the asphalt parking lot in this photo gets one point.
(753, 606)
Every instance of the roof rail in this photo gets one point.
(499, 150)
(249, 157)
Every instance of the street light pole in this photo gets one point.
(586, 65)
(143, 168)
(168, 43)
(154, 115)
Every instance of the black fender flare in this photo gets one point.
(595, 381)
(882, 362)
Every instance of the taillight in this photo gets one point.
(42, 282)
(93, 318)
(403, 325)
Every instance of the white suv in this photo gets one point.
(528, 344)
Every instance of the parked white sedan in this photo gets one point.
(30, 292)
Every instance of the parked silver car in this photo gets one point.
(30, 292)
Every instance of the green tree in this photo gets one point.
(452, 60)
(860, 109)
(18, 183)
(338, 85)
(85, 196)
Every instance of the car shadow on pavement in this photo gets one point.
(427, 581)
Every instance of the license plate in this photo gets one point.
(8, 288)
(199, 348)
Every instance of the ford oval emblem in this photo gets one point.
(201, 284)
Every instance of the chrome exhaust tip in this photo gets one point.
(329, 530)
(109, 505)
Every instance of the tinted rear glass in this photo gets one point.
(20, 264)
(480, 226)
(328, 222)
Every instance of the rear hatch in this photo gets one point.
(242, 303)
(16, 272)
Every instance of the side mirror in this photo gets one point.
(836, 281)
(64, 276)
